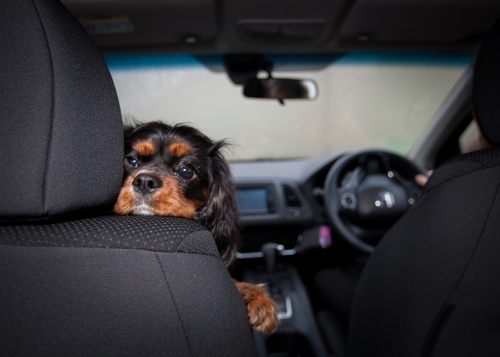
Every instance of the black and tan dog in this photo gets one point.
(177, 171)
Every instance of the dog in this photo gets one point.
(177, 171)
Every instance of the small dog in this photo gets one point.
(177, 171)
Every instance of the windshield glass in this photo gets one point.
(365, 101)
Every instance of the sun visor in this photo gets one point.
(114, 24)
(418, 23)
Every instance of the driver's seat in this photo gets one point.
(432, 287)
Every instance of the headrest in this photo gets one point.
(486, 86)
(61, 141)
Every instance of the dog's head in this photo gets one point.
(177, 171)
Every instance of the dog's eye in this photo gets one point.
(131, 161)
(185, 172)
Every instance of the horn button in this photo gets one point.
(380, 202)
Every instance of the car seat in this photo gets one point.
(431, 288)
(76, 280)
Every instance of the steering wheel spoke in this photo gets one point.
(347, 193)
(413, 194)
(412, 189)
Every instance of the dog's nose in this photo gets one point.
(146, 184)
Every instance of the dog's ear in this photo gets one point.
(220, 215)
(127, 131)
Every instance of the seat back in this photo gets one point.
(75, 282)
(431, 287)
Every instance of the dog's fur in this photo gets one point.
(177, 171)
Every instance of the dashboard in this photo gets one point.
(278, 192)
(279, 200)
(270, 201)
(276, 200)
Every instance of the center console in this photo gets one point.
(276, 211)
(297, 334)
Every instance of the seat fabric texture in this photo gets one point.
(75, 282)
(115, 286)
(60, 140)
(431, 287)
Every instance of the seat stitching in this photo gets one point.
(185, 251)
(175, 304)
(184, 238)
(447, 300)
(84, 247)
(49, 145)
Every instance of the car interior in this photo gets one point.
(361, 257)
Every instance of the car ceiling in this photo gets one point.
(284, 26)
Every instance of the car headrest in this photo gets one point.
(61, 141)
(486, 86)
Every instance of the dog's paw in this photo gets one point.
(262, 310)
(263, 313)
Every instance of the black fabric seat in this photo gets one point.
(75, 280)
(432, 288)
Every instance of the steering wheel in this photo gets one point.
(366, 192)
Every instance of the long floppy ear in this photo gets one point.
(220, 215)
(127, 130)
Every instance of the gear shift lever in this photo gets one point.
(270, 251)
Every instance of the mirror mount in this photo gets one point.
(240, 68)
(268, 67)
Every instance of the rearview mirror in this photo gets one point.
(280, 88)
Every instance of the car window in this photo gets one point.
(382, 100)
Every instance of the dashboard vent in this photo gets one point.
(291, 198)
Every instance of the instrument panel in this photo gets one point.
(271, 202)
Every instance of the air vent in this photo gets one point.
(291, 198)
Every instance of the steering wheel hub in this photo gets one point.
(381, 202)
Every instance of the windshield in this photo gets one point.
(365, 101)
